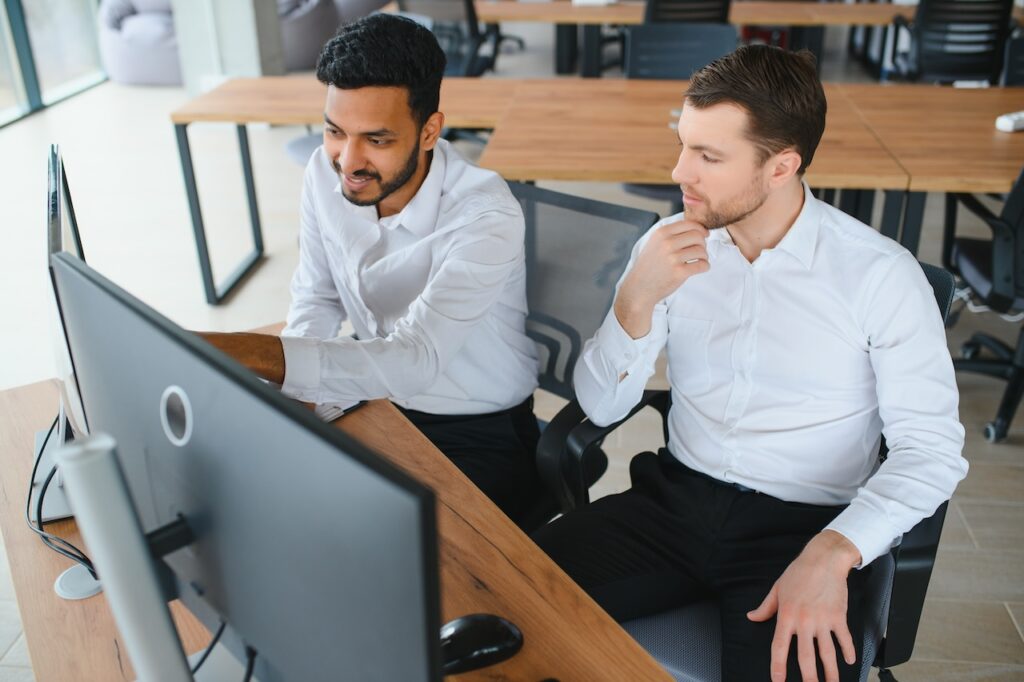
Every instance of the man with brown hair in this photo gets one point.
(796, 336)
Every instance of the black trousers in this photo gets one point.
(497, 451)
(677, 537)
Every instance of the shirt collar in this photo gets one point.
(801, 238)
(420, 215)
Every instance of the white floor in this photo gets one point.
(125, 176)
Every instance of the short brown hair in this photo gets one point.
(779, 90)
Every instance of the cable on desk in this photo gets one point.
(54, 542)
(209, 647)
(250, 655)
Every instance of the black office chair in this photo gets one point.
(953, 40)
(687, 641)
(576, 250)
(1013, 67)
(673, 51)
(690, 11)
(993, 269)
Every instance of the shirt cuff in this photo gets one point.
(860, 526)
(301, 367)
(621, 349)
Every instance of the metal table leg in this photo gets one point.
(892, 212)
(215, 294)
(912, 219)
(565, 48)
(591, 65)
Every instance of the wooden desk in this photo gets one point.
(299, 100)
(742, 12)
(944, 137)
(807, 17)
(617, 131)
(487, 565)
(467, 103)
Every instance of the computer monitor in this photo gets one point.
(62, 236)
(318, 553)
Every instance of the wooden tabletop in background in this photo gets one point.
(944, 137)
(618, 131)
(487, 565)
(742, 12)
(299, 100)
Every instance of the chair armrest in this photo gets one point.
(570, 439)
(1003, 252)
(898, 22)
(915, 558)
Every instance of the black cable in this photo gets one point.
(209, 647)
(250, 655)
(54, 542)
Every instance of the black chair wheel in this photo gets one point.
(970, 350)
(994, 433)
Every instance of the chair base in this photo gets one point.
(1008, 365)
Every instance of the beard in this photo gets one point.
(731, 211)
(387, 188)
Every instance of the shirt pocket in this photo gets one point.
(688, 338)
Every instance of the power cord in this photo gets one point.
(250, 655)
(209, 647)
(54, 542)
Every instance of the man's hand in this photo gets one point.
(810, 599)
(261, 353)
(674, 253)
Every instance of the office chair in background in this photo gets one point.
(993, 269)
(953, 40)
(687, 641)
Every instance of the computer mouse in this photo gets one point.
(477, 641)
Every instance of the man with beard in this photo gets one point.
(423, 253)
(795, 336)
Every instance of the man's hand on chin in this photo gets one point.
(261, 353)
(810, 599)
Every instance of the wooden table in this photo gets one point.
(742, 12)
(944, 137)
(486, 565)
(618, 131)
(284, 100)
(806, 17)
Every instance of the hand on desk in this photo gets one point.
(811, 599)
(261, 353)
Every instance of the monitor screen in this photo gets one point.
(62, 236)
(316, 552)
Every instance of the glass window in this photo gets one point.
(13, 102)
(64, 44)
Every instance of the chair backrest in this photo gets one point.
(455, 25)
(576, 251)
(960, 39)
(707, 11)
(1013, 67)
(675, 51)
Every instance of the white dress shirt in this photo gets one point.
(785, 372)
(436, 293)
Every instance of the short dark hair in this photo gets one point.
(779, 90)
(385, 50)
